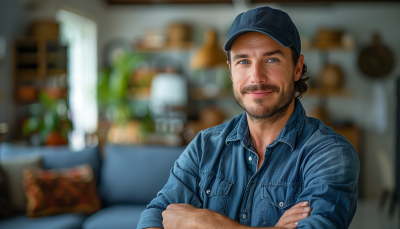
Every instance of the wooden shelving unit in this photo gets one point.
(327, 92)
(199, 93)
(36, 60)
(39, 64)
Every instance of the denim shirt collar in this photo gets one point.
(288, 134)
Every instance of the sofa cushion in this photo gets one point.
(117, 216)
(134, 174)
(65, 221)
(5, 201)
(13, 169)
(54, 157)
(53, 192)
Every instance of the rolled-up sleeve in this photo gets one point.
(181, 187)
(330, 177)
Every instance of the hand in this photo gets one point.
(291, 217)
(177, 216)
(185, 216)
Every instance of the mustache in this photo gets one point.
(259, 87)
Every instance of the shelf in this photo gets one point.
(22, 102)
(56, 71)
(32, 75)
(330, 49)
(198, 93)
(54, 57)
(27, 58)
(201, 93)
(139, 93)
(182, 47)
(27, 75)
(343, 92)
(28, 79)
(33, 57)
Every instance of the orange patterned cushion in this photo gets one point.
(52, 192)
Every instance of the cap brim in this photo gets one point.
(277, 37)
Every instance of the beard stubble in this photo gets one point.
(265, 113)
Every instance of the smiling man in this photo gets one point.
(271, 166)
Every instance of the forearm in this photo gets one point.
(185, 216)
(247, 227)
(212, 220)
(242, 227)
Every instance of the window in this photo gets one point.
(80, 35)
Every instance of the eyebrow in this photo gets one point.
(239, 56)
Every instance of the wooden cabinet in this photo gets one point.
(38, 64)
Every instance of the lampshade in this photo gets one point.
(168, 90)
(210, 54)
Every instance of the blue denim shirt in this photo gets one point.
(306, 162)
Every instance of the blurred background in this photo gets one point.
(147, 72)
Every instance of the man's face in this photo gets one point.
(263, 75)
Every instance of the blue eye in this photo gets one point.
(272, 60)
(243, 62)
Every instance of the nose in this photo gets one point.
(257, 73)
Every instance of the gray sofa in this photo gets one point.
(129, 177)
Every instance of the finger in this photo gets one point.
(182, 204)
(303, 203)
(178, 206)
(173, 206)
(298, 205)
(166, 211)
(298, 210)
(293, 218)
(291, 225)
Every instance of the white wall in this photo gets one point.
(12, 25)
(360, 20)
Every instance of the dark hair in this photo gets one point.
(300, 86)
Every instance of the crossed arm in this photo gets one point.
(330, 177)
(183, 216)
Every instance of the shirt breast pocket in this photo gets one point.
(277, 198)
(214, 191)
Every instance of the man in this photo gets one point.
(270, 166)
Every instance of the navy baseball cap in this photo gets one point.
(266, 20)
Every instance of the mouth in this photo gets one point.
(259, 94)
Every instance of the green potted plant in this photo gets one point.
(48, 123)
(112, 90)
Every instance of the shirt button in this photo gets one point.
(208, 191)
(250, 158)
(251, 181)
(244, 216)
(281, 204)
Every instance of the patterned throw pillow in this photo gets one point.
(52, 192)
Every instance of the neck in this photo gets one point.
(264, 132)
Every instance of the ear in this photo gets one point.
(298, 70)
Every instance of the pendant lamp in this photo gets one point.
(210, 54)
